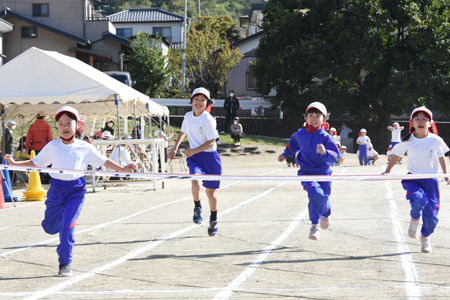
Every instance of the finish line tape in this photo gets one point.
(377, 177)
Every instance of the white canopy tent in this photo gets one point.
(46, 80)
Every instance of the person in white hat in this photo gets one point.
(202, 157)
(67, 191)
(8, 138)
(317, 152)
(335, 136)
(343, 152)
(426, 151)
(362, 141)
(396, 130)
(39, 134)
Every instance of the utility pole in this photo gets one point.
(198, 8)
(184, 50)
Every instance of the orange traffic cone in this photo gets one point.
(2, 198)
(34, 192)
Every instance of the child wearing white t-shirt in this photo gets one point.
(362, 141)
(66, 195)
(202, 157)
(425, 153)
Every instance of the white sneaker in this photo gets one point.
(413, 226)
(239, 143)
(426, 245)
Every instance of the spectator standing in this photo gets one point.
(231, 105)
(39, 134)
(344, 131)
(8, 139)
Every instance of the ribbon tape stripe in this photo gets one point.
(377, 177)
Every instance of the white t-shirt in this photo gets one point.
(75, 156)
(423, 154)
(200, 129)
(335, 139)
(125, 159)
(344, 155)
(345, 132)
(363, 139)
(396, 134)
(372, 152)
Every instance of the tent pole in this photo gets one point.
(116, 101)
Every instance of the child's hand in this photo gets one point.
(281, 158)
(447, 180)
(130, 167)
(321, 149)
(10, 159)
(385, 173)
(171, 154)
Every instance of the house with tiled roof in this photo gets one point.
(68, 27)
(153, 20)
(4, 27)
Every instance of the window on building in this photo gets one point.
(251, 81)
(124, 32)
(40, 10)
(163, 32)
(29, 32)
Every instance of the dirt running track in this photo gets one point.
(135, 243)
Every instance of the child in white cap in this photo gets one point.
(362, 141)
(66, 195)
(396, 135)
(202, 157)
(317, 152)
(426, 152)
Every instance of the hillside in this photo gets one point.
(234, 8)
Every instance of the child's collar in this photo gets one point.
(312, 129)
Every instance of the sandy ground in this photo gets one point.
(136, 243)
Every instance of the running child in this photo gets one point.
(202, 157)
(317, 153)
(66, 195)
(425, 153)
(362, 141)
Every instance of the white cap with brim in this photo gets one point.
(363, 130)
(67, 109)
(422, 109)
(107, 134)
(201, 91)
(396, 124)
(332, 128)
(319, 106)
(11, 123)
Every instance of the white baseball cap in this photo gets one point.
(422, 109)
(396, 124)
(343, 147)
(332, 128)
(369, 145)
(68, 109)
(201, 90)
(363, 130)
(319, 106)
(11, 122)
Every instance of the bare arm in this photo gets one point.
(113, 165)
(394, 159)
(443, 164)
(174, 150)
(390, 128)
(24, 163)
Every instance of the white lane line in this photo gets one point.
(199, 290)
(228, 291)
(411, 285)
(145, 247)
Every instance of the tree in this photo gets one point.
(368, 58)
(224, 25)
(148, 65)
(209, 60)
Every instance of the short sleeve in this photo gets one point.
(93, 157)
(184, 125)
(442, 148)
(399, 149)
(44, 158)
(210, 129)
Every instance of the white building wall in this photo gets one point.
(176, 29)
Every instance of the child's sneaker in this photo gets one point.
(289, 165)
(324, 222)
(412, 231)
(198, 219)
(64, 270)
(314, 233)
(426, 245)
(213, 228)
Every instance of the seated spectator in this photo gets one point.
(236, 131)
(98, 136)
(372, 154)
(121, 155)
(343, 151)
(109, 127)
(20, 153)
